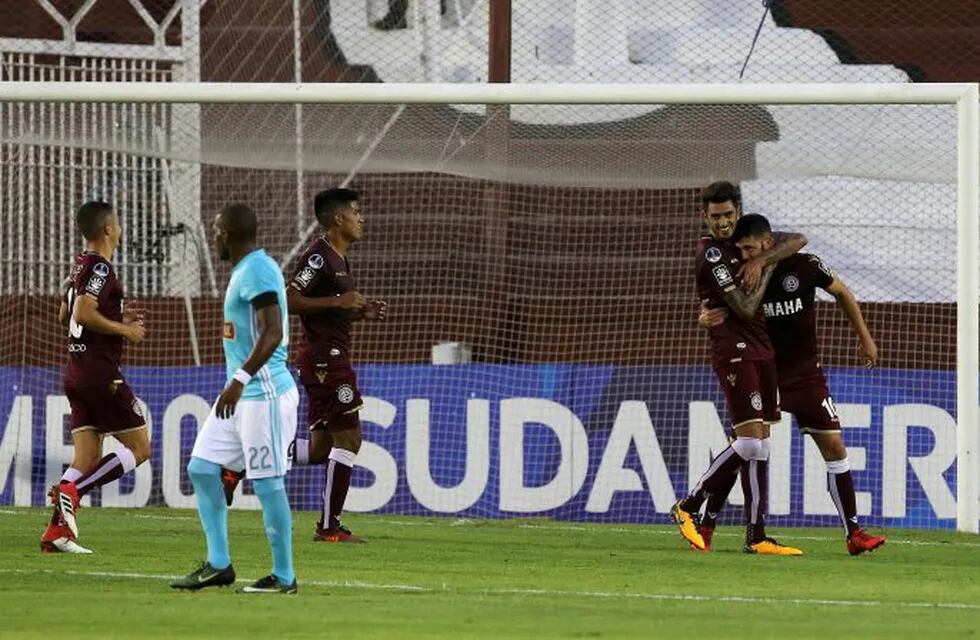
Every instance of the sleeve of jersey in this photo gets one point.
(718, 276)
(308, 272)
(262, 278)
(94, 279)
(821, 275)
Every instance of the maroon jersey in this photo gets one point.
(791, 317)
(716, 263)
(93, 358)
(320, 273)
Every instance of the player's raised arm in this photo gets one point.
(783, 246)
(849, 304)
(746, 304)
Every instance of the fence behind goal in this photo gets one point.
(555, 244)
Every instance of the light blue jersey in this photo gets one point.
(254, 275)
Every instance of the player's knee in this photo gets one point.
(141, 452)
(832, 446)
(349, 440)
(320, 444)
(201, 467)
(751, 448)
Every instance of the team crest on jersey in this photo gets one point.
(713, 254)
(791, 283)
(756, 401)
(95, 284)
(315, 261)
(345, 394)
(305, 276)
(101, 269)
(731, 379)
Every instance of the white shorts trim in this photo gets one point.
(255, 439)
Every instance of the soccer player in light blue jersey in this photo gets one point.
(254, 419)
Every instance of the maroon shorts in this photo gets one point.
(333, 398)
(107, 408)
(751, 390)
(813, 407)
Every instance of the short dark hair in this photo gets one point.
(329, 201)
(721, 191)
(91, 218)
(240, 222)
(751, 225)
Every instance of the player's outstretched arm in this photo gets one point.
(849, 304)
(351, 301)
(86, 313)
(784, 245)
(745, 304)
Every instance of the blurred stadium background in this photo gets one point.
(547, 249)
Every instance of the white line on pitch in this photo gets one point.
(542, 592)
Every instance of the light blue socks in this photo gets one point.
(206, 478)
(278, 525)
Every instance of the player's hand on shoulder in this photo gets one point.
(869, 351)
(751, 273)
(230, 395)
(376, 310)
(352, 301)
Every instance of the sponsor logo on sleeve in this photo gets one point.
(315, 261)
(305, 276)
(756, 400)
(820, 265)
(228, 330)
(101, 269)
(713, 254)
(722, 275)
(95, 284)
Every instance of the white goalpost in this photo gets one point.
(315, 147)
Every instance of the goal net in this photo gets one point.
(541, 355)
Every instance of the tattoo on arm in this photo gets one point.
(745, 305)
(785, 245)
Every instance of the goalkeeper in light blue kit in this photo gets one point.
(254, 419)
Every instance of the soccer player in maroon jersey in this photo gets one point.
(742, 358)
(101, 402)
(324, 295)
(791, 321)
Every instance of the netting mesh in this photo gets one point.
(554, 244)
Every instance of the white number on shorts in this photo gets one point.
(258, 458)
(828, 404)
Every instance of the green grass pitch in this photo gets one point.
(446, 578)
